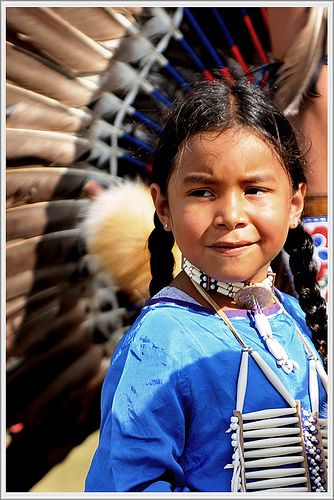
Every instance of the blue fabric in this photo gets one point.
(170, 392)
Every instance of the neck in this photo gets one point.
(233, 295)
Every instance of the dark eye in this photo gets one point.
(201, 193)
(255, 191)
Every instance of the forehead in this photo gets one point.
(215, 152)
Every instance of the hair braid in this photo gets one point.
(160, 245)
(299, 245)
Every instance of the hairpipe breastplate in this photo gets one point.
(276, 449)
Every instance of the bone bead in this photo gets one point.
(263, 433)
(296, 488)
(275, 482)
(275, 473)
(272, 452)
(273, 462)
(270, 422)
(271, 442)
(270, 413)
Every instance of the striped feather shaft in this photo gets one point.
(270, 413)
(263, 433)
(271, 442)
(275, 473)
(275, 482)
(273, 461)
(273, 452)
(270, 422)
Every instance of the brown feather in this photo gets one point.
(41, 116)
(96, 23)
(58, 40)
(34, 184)
(46, 325)
(41, 251)
(35, 280)
(35, 73)
(55, 147)
(35, 219)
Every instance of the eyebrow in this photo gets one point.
(261, 177)
(199, 179)
(208, 179)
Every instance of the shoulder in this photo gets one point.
(291, 304)
(164, 327)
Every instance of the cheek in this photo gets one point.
(274, 223)
(189, 222)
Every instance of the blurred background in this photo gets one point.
(87, 90)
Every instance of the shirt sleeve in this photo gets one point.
(144, 432)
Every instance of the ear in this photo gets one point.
(161, 206)
(297, 205)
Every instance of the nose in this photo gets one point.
(230, 212)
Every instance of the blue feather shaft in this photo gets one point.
(214, 54)
(138, 142)
(147, 121)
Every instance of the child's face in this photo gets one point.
(229, 204)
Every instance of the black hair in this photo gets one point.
(218, 106)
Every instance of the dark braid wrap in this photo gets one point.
(216, 107)
(162, 261)
(299, 246)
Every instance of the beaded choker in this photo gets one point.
(246, 295)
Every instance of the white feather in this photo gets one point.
(300, 62)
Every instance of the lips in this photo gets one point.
(231, 249)
(232, 244)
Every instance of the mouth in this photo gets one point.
(232, 244)
(231, 248)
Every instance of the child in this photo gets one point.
(218, 344)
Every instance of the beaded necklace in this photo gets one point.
(252, 296)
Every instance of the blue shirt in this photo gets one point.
(171, 389)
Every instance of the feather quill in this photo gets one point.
(300, 62)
